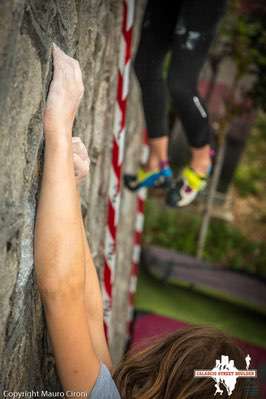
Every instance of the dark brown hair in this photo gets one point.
(165, 369)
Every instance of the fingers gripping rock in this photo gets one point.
(65, 93)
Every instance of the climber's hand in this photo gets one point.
(65, 93)
(80, 158)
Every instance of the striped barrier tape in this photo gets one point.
(140, 202)
(119, 130)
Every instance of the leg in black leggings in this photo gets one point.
(158, 26)
(186, 30)
(193, 35)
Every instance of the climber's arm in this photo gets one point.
(93, 296)
(94, 304)
(59, 241)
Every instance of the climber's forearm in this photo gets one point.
(59, 252)
(59, 263)
(94, 306)
(93, 297)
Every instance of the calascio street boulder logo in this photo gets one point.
(225, 374)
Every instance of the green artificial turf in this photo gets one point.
(192, 307)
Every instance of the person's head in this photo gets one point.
(165, 369)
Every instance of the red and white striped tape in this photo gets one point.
(140, 202)
(114, 193)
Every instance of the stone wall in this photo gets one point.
(88, 30)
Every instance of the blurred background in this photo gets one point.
(206, 263)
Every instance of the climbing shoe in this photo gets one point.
(156, 179)
(186, 188)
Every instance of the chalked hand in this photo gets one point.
(65, 93)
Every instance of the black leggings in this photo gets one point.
(185, 29)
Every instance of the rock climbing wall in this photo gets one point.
(90, 31)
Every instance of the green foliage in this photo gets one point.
(178, 230)
(228, 246)
(243, 37)
(163, 226)
(247, 180)
(250, 176)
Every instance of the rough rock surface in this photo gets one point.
(90, 31)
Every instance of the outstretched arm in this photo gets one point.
(93, 296)
(60, 252)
